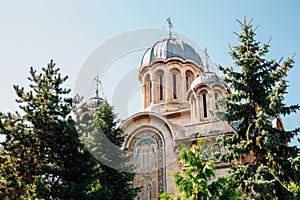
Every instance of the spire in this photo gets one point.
(170, 26)
(206, 59)
(98, 83)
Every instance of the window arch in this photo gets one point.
(174, 86)
(161, 87)
(159, 82)
(175, 83)
(204, 101)
(189, 77)
(204, 104)
(148, 155)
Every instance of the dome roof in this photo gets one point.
(94, 102)
(171, 48)
(207, 78)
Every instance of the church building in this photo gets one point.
(179, 91)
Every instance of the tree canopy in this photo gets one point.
(263, 164)
(42, 156)
(262, 158)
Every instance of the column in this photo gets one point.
(198, 108)
(182, 88)
(168, 88)
(153, 86)
(192, 110)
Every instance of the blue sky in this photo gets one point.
(33, 32)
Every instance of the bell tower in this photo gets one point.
(167, 70)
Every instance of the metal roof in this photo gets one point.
(171, 48)
(207, 78)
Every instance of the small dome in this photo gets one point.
(207, 78)
(94, 102)
(171, 48)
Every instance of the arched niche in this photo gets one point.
(175, 86)
(148, 147)
(159, 80)
(204, 106)
(189, 77)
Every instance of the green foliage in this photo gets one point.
(262, 158)
(197, 181)
(194, 180)
(164, 196)
(42, 156)
(102, 136)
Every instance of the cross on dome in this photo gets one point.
(170, 26)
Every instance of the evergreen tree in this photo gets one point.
(42, 157)
(102, 136)
(263, 160)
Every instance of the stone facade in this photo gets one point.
(178, 95)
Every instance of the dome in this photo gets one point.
(207, 78)
(171, 48)
(94, 102)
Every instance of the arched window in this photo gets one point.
(146, 154)
(204, 101)
(159, 93)
(161, 87)
(174, 86)
(189, 77)
(204, 106)
(187, 85)
(175, 83)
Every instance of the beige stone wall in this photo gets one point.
(172, 121)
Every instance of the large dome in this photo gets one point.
(171, 48)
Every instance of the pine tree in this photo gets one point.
(260, 152)
(42, 157)
(102, 136)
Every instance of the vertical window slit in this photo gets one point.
(174, 87)
(204, 105)
(161, 94)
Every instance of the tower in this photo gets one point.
(93, 103)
